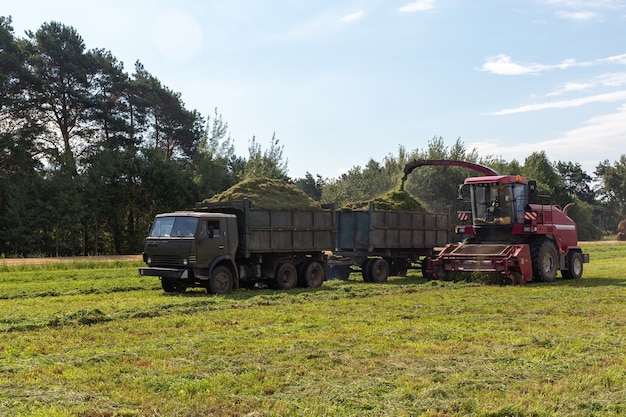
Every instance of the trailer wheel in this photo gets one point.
(286, 276)
(171, 285)
(221, 281)
(575, 270)
(365, 270)
(378, 270)
(545, 261)
(313, 274)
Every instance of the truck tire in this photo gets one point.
(221, 281)
(286, 277)
(171, 285)
(365, 270)
(545, 261)
(575, 263)
(378, 270)
(313, 274)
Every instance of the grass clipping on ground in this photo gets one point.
(268, 194)
(395, 200)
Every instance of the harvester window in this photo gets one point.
(520, 199)
(493, 204)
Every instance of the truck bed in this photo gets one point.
(275, 231)
(371, 231)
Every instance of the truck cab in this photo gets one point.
(184, 248)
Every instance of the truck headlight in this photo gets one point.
(185, 262)
(149, 260)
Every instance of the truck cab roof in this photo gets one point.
(196, 214)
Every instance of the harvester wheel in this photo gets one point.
(221, 281)
(575, 261)
(545, 261)
(313, 274)
(378, 270)
(286, 276)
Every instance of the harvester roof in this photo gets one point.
(497, 179)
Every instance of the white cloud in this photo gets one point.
(572, 87)
(418, 6)
(584, 10)
(617, 59)
(565, 104)
(588, 145)
(605, 80)
(580, 15)
(503, 65)
(352, 17)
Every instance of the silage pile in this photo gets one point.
(395, 200)
(268, 194)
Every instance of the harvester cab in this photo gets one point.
(498, 203)
(510, 237)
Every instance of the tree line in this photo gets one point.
(89, 153)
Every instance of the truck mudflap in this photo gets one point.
(510, 264)
(164, 272)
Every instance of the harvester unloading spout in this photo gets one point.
(410, 166)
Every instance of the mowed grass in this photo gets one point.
(101, 341)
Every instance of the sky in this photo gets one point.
(341, 82)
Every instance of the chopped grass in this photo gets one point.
(268, 194)
(395, 200)
(409, 347)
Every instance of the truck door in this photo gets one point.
(211, 241)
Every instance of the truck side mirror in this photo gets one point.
(532, 187)
(211, 232)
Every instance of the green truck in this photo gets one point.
(225, 246)
(230, 245)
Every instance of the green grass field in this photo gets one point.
(97, 340)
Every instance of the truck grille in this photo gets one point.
(161, 260)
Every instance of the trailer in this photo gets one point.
(385, 243)
(225, 246)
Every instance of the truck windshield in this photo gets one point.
(176, 226)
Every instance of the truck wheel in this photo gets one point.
(171, 285)
(286, 276)
(378, 270)
(575, 270)
(365, 270)
(545, 261)
(221, 281)
(313, 274)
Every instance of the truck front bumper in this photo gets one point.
(164, 272)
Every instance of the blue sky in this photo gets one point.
(340, 82)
